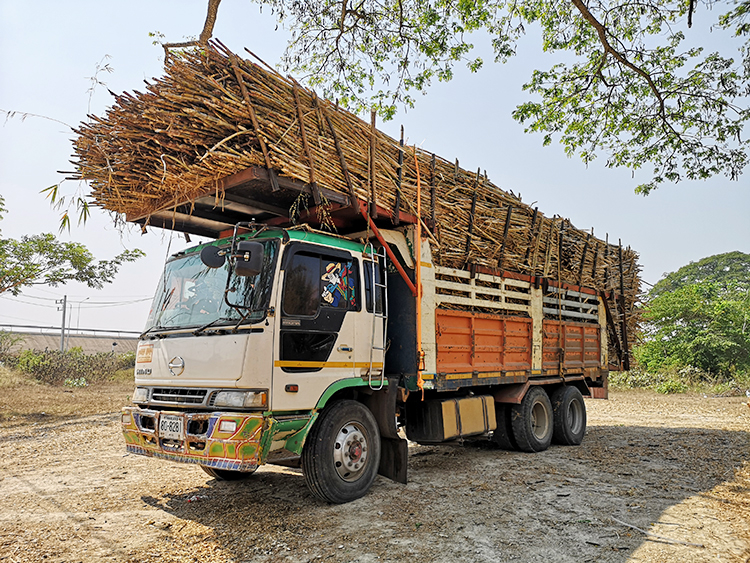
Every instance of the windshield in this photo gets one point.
(191, 294)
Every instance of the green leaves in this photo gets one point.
(68, 203)
(699, 316)
(630, 90)
(44, 260)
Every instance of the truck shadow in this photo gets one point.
(473, 502)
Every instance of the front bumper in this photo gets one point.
(202, 440)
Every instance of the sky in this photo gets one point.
(49, 50)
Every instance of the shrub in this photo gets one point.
(671, 386)
(126, 360)
(7, 341)
(55, 367)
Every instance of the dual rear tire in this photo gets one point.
(541, 420)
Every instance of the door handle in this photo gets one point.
(345, 348)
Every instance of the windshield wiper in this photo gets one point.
(150, 330)
(199, 331)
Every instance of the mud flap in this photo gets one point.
(394, 455)
(394, 450)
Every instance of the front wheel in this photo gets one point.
(227, 474)
(342, 453)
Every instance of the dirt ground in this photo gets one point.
(677, 467)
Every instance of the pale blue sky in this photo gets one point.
(49, 48)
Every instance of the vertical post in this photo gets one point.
(471, 219)
(64, 303)
(395, 219)
(373, 140)
(624, 324)
(583, 259)
(433, 224)
(531, 238)
(505, 238)
(418, 276)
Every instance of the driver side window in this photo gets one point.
(319, 289)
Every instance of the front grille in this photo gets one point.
(179, 396)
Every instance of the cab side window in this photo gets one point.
(319, 290)
(313, 281)
(302, 286)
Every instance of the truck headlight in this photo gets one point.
(140, 395)
(241, 399)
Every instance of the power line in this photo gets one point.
(137, 298)
(84, 304)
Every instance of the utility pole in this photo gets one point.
(64, 303)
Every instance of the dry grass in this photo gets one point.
(11, 378)
(25, 401)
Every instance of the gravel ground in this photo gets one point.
(676, 467)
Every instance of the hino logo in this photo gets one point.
(176, 365)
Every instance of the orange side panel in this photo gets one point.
(469, 342)
(579, 341)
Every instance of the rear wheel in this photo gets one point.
(532, 421)
(342, 453)
(227, 474)
(570, 416)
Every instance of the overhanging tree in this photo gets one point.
(44, 260)
(632, 91)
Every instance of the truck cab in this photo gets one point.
(233, 370)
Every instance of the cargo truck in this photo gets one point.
(282, 344)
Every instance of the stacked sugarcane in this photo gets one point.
(213, 114)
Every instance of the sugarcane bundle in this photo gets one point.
(213, 114)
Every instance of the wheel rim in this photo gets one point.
(575, 417)
(350, 451)
(540, 421)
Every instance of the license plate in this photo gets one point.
(171, 427)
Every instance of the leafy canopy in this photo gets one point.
(630, 88)
(44, 260)
(729, 270)
(699, 316)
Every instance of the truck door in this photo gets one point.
(318, 308)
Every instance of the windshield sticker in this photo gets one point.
(145, 353)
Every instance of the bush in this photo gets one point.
(671, 386)
(126, 360)
(72, 367)
(8, 340)
(679, 380)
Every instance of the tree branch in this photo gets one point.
(208, 30)
(602, 33)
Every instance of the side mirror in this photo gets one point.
(248, 260)
(212, 257)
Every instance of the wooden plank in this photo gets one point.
(571, 314)
(568, 303)
(452, 299)
(453, 286)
